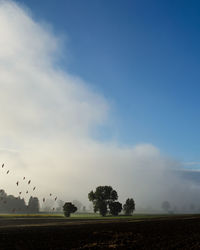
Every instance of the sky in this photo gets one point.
(101, 93)
(143, 56)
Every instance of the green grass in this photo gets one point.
(92, 216)
(31, 215)
(89, 216)
(134, 216)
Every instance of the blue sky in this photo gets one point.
(143, 56)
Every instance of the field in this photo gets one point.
(85, 232)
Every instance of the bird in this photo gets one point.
(24, 178)
(34, 188)
(2, 165)
(55, 198)
(7, 171)
(29, 182)
(20, 192)
(50, 194)
(17, 183)
(27, 192)
(43, 199)
(53, 208)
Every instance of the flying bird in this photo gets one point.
(53, 208)
(7, 171)
(29, 182)
(24, 178)
(34, 188)
(27, 192)
(2, 165)
(17, 183)
(55, 198)
(43, 199)
(20, 192)
(50, 194)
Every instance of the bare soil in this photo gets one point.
(181, 232)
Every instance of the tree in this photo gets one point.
(11, 204)
(69, 208)
(115, 208)
(101, 198)
(129, 206)
(33, 205)
(166, 206)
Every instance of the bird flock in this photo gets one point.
(28, 183)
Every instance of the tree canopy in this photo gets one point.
(11, 204)
(115, 208)
(129, 206)
(69, 208)
(101, 198)
(33, 205)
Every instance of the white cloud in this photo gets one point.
(47, 116)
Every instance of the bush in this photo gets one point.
(69, 208)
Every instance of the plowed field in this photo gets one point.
(181, 232)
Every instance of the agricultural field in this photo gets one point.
(87, 232)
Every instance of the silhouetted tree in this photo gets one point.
(12, 204)
(166, 206)
(115, 208)
(69, 208)
(33, 205)
(129, 206)
(101, 198)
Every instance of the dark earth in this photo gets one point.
(176, 232)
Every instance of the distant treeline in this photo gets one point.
(12, 204)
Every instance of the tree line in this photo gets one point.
(104, 200)
(12, 204)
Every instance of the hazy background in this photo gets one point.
(50, 120)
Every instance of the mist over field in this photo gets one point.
(48, 117)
